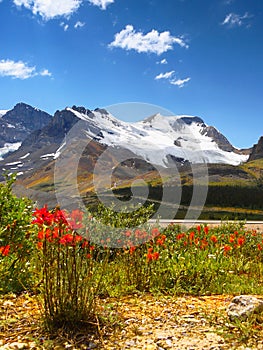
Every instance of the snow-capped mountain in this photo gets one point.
(16, 124)
(159, 140)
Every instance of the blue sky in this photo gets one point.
(197, 57)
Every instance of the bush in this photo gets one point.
(16, 240)
(71, 273)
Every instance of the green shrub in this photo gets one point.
(16, 240)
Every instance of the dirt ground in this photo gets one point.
(132, 322)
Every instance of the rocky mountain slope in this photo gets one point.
(257, 150)
(17, 124)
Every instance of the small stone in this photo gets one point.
(243, 306)
(130, 343)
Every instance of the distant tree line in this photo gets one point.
(250, 197)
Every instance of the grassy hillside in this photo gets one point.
(234, 192)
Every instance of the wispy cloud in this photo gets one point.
(79, 25)
(152, 42)
(101, 3)
(64, 26)
(45, 73)
(49, 9)
(235, 20)
(170, 76)
(20, 70)
(180, 82)
(163, 61)
(166, 75)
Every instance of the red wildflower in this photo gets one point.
(75, 220)
(161, 240)
(132, 249)
(152, 256)
(128, 233)
(149, 257)
(48, 234)
(138, 233)
(88, 256)
(55, 233)
(39, 245)
(180, 236)
(227, 248)
(206, 230)
(84, 244)
(204, 243)
(156, 255)
(66, 239)
(213, 238)
(260, 246)
(191, 236)
(78, 238)
(4, 250)
(198, 228)
(240, 241)
(155, 232)
(232, 239)
(60, 216)
(43, 217)
(40, 235)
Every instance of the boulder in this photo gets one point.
(243, 306)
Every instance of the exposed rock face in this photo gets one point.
(20, 121)
(52, 134)
(243, 306)
(220, 139)
(257, 150)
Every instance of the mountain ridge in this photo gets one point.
(182, 137)
(135, 150)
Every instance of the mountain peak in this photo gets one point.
(188, 119)
(27, 116)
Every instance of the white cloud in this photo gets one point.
(101, 3)
(19, 70)
(163, 61)
(170, 76)
(79, 25)
(64, 26)
(49, 9)
(233, 20)
(45, 73)
(166, 75)
(154, 42)
(180, 82)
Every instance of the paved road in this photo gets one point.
(257, 225)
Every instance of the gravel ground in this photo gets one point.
(134, 322)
